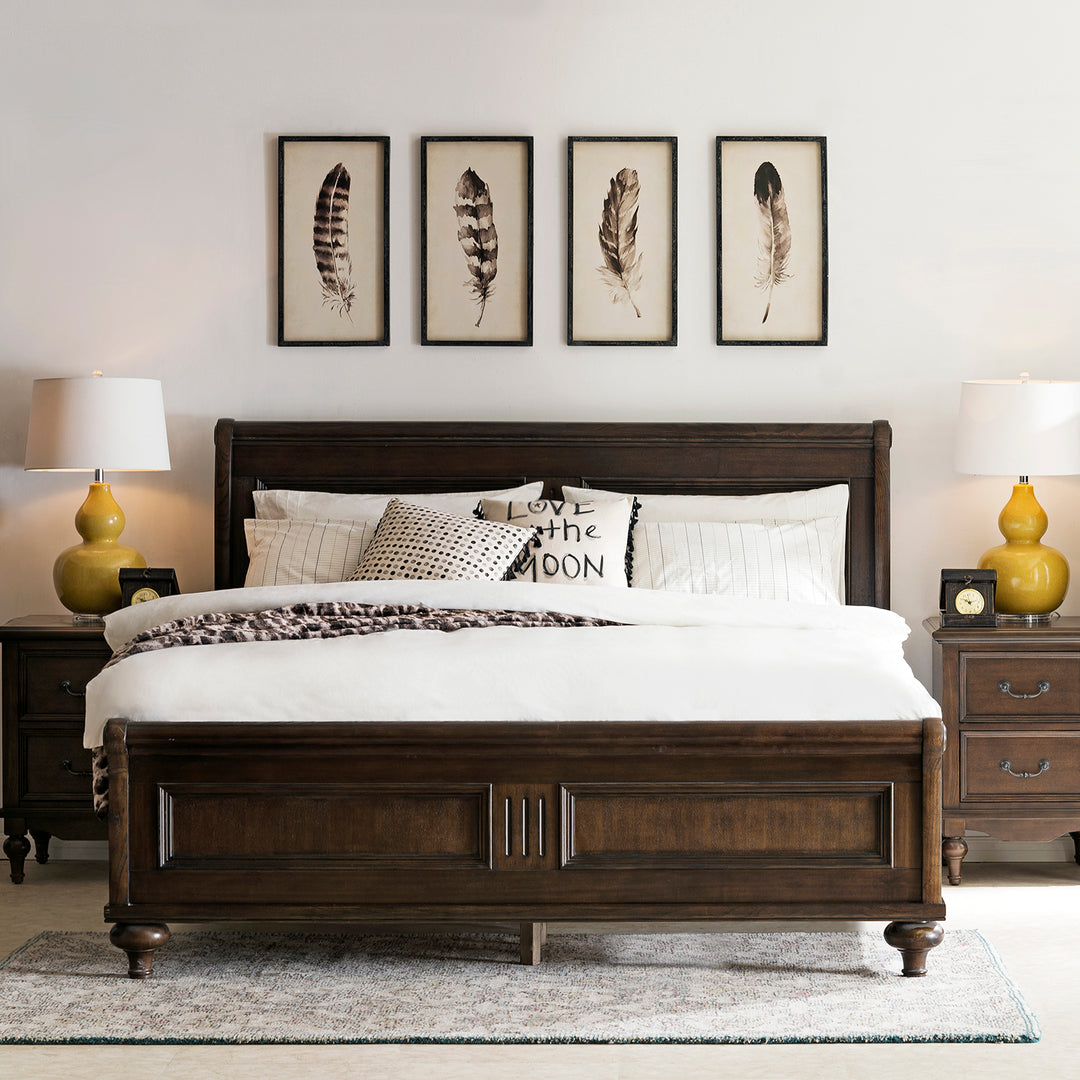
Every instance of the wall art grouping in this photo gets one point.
(476, 240)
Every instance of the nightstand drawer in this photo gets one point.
(54, 764)
(1009, 764)
(1046, 684)
(56, 682)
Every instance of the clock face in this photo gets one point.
(140, 596)
(969, 602)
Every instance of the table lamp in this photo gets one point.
(1022, 427)
(96, 424)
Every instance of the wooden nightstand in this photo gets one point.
(1010, 699)
(47, 662)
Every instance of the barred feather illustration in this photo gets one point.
(331, 241)
(774, 240)
(479, 240)
(618, 239)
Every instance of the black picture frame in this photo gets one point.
(797, 302)
(455, 172)
(133, 580)
(343, 296)
(602, 172)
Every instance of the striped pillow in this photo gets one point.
(788, 560)
(284, 552)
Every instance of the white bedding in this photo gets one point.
(679, 657)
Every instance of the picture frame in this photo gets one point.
(333, 240)
(622, 279)
(476, 240)
(771, 291)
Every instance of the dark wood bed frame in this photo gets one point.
(497, 823)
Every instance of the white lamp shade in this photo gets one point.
(1019, 428)
(116, 425)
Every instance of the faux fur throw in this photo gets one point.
(299, 621)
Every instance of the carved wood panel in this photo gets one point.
(429, 826)
(703, 825)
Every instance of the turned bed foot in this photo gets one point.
(139, 940)
(914, 940)
(533, 936)
(953, 850)
(1076, 846)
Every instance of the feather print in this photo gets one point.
(618, 239)
(331, 241)
(774, 241)
(476, 231)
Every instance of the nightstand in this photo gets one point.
(1010, 699)
(47, 662)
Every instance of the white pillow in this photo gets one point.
(775, 506)
(332, 505)
(577, 543)
(415, 542)
(790, 560)
(304, 552)
(822, 502)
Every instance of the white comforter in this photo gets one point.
(679, 657)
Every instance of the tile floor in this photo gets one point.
(1029, 911)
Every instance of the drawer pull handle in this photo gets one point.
(65, 685)
(1006, 766)
(1041, 687)
(65, 766)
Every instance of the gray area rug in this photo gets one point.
(235, 987)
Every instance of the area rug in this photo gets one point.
(232, 987)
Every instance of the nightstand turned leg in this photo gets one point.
(41, 845)
(1076, 845)
(16, 848)
(953, 850)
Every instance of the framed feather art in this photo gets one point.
(622, 265)
(333, 240)
(476, 240)
(772, 249)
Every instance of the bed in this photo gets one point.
(479, 820)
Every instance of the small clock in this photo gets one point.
(967, 597)
(146, 583)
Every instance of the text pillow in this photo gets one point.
(577, 543)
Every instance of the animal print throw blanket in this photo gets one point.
(324, 620)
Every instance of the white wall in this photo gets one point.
(138, 228)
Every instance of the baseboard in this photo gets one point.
(981, 848)
(78, 850)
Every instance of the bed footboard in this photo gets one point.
(464, 822)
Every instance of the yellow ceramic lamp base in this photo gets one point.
(1032, 578)
(87, 576)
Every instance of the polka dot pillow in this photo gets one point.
(415, 542)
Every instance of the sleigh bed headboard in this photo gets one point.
(697, 459)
